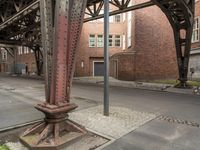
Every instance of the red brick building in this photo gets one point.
(22, 58)
(194, 65)
(151, 54)
(141, 47)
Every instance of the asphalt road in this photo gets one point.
(181, 106)
(30, 92)
(18, 96)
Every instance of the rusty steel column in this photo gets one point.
(57, 130)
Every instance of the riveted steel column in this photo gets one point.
(46, 15)
(106, 57)
(56, 129)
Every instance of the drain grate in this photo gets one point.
(178, 121)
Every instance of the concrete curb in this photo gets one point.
(137, 85)
(20, 125)
(127, 84)
(118, 83)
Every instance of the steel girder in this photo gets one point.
(38, 58)
(180, 14)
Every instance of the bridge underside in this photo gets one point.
(56, 29)
(20, 24)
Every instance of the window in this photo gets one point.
(100, 41)
(26, 50)
(117, 40)
(118, 18)
(129, 29)
(4, 54)
(92, 40)
(20, 50)
(110, 40)
(124, 42)
(195, 35)
(111, 19)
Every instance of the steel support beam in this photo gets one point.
(38, 58)
(123, 10)
(47, 18)
(180, 14)
(57, 129)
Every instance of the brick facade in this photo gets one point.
(20, 61)
(87, 55)
(151, 56)
(194, 65)
(153, 51)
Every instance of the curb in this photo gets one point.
(20, 125)
(139, 85)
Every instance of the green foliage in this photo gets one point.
(174, 82)
(4, 147)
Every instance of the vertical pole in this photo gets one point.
(14, 63)
(106, 57)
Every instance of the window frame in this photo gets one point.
(195, 29)
(90, 40)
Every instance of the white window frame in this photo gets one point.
(26, 50)
(4, 54)
(120, 38)
(120, 19)
(113, 44)
(90, 40)
(129, 29)
(20, 50)
(195, 35)
(124, 42)
(98, 42)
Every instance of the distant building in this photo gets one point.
(194, 65)
(141, 48)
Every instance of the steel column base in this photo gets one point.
(183, 85)
(56, 131)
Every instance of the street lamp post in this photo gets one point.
(106, 57)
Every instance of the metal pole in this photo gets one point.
(106, 57)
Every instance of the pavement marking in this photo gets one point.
(178, 121)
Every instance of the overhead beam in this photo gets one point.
(20, 14)
(131, 8)
(7, 45)
(35, 6)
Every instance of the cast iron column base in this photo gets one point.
(55, 131)
(183, 85)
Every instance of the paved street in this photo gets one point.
(18, 95)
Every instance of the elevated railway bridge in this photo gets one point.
(52, 29)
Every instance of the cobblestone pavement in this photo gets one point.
(120, 121)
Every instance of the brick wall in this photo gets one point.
(153, 46)
(86, 54)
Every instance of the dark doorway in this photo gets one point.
(98, 68)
